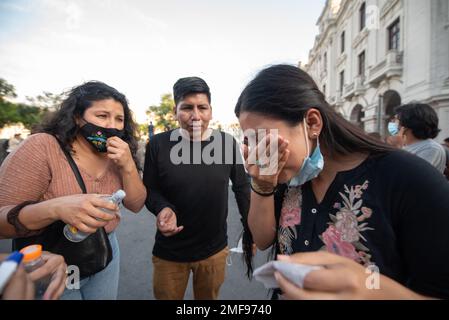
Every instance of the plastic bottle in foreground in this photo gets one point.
(32, 260)
(74, 235)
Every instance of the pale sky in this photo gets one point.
(142, 47)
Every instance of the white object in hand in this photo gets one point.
(294, 272)
(74, 235)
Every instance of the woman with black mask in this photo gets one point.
(94, 125)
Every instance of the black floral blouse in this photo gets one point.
(392, 211)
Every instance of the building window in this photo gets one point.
(362, 14)
(342, 42)
(394, 35)
(342, 81)
(325, 62)
(362, 64)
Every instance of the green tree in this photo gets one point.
(162, 115)
(7, 90)
(8, 112)
(11, 113)
(46, 100)
(30, 115)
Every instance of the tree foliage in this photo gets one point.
(13, 113)
(162, 115)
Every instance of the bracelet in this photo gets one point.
(260, 191)
(13, 219)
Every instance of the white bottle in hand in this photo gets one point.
(74, 235)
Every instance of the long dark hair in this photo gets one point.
(286, 93)
(62, 125)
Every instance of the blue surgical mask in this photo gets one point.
(393, 128)
(311, 166)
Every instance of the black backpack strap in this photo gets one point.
(74, 167)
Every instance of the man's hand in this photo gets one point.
(167, 223)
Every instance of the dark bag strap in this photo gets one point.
(74, 167)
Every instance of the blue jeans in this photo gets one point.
(102, 285)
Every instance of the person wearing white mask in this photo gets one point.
(340, 199)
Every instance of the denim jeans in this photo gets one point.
(102, 285)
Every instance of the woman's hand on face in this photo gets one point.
(340, 278)
(119, 152)
(268, 173)
(83, 211)
(56, 268)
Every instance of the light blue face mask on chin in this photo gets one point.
(311, 166)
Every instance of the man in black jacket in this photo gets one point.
(187, 173)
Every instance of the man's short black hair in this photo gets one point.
(189, 85)
(447, 139)
(420, 118)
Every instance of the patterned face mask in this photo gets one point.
(97, 136)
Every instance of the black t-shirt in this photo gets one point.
(192, 178)
(392, 210)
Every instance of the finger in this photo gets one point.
(96, 213)
(51, 263)
(252, 156)
(100, 202)
(283, 160)
(176, 231)
(84, 228)
(17, 287)
(166, 225)
(245, 151)
(56, 285)
(167, 228)
(172, 230)
(292, 292)
(165, 217)
(263, 147)
(334, 280)
(283, 144)
(92, 222)
(115, 141)
(114, 150)
(30, 290)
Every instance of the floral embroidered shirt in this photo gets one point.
(391, 211)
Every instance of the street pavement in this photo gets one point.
(136, 239)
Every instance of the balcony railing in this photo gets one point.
(390, 66)
(348, 90)
(359, 85)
